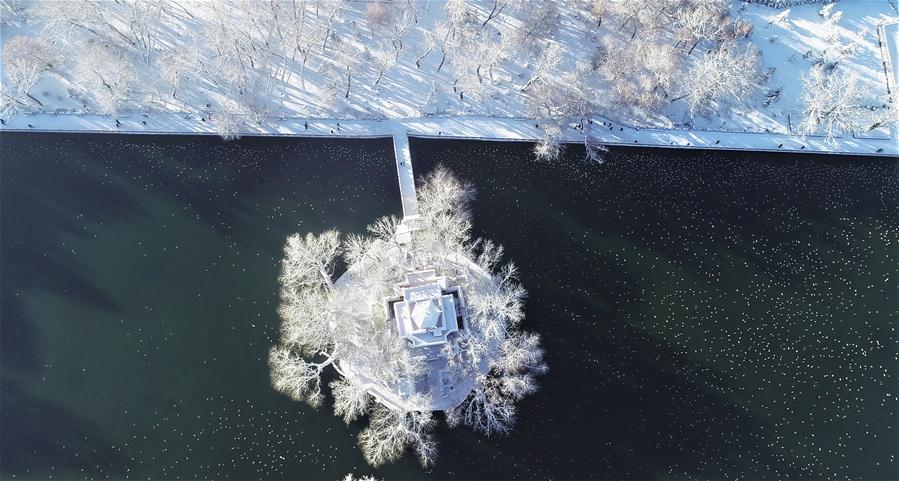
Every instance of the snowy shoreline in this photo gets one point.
(366, 82)
(600, 131)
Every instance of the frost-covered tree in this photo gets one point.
(377, 15)
(496, 10)
(62, 19)
(331, 11)
(728, 73)
(107, 74)
(24, 60)
(539, 21)
(351, 477)
(703, 20)
(547, 64)
(594, 151)
(491, 407)
(351, 399)
(11, 102)
(833, 103)
(179, 65)
(383, 59)
(597, 9)
(471, 48)
(391, 431)
(341, 324)
(144, 18)
(645, 17)
(226, 124)
(549, 147)
(641, 73)
(298, 378)
(240, 52)
(347, 57)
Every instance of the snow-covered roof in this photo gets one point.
(426, 315)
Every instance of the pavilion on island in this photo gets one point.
(427, 310)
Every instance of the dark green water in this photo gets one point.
(705, 315)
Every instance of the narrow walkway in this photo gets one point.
(404, 171)
(601, 131)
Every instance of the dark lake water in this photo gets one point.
(705, 315)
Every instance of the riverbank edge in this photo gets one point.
(598, 130)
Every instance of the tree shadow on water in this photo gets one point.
(616, 404)
(624, 399)
(49, 197)
(226, 184)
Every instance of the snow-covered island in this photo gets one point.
(752, 75)
(423, 320)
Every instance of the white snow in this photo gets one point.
(889, 35)
(403, 158)
(475, 128)
(422, 101)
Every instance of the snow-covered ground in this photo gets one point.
(601, 131)
(424, 99)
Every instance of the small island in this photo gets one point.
(424, 319)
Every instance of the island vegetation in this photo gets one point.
(342, 324)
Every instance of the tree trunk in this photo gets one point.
(303, 69)
(418, 61)
(348, 79)
(493, 13)
(532, 80)
(326, 277)
(694, 46)
(35, 100)
(325, 41)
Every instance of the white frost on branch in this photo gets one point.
(308, 260)
(351, 477)
(549, 147)
(487, 410)
(351, 399)
(832, 103)
(391, 432)
(295, 376)
(342, 323)
(105, 72)
(227, 125)
(24, 60)
(727, 73)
